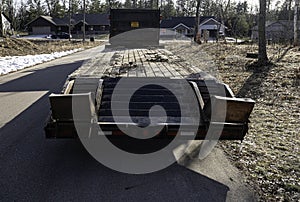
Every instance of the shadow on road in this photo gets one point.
(33, 168)
(49, 79)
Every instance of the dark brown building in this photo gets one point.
(94, 24)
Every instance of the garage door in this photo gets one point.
(41, 30)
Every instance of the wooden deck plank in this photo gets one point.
(150, 55)
(139, 62)
(123, 70)
(148, 69)
(174, 64)
(169, 66)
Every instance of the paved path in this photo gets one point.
(35, 169)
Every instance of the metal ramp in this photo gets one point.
(191, 107)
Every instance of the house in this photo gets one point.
(277, 31)
(185, 26)
(6, 25)
(177, 26)
(214, 28)
(94, 24)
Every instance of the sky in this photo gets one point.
(253, 2)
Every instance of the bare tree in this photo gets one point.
(296, 41)
(134, 3)
(262, 42)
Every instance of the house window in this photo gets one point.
(59, 28)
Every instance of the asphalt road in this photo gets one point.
(33, 168)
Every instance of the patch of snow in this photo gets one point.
(14, 63)
(42, 36)
(233, 40)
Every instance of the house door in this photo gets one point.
(213, 33)
(41, 30)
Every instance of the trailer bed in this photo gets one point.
(139, 63)
(96, 81)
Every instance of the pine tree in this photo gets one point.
(181, 7)
(168, 9)
(35, 9)
(128, 4)
(95, 7)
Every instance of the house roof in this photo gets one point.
(208, 20)
(181, 24)
(186, 21)
(91, 19)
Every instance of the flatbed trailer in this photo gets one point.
(96, 82)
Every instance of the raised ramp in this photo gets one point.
(160, 105)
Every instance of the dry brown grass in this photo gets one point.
(20, 47)
(269, 155)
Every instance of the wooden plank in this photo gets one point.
(103, 65)
(163, 69)
(181, 70)
(156, 69)
(69, 87)
(237, 110)
(131, 58)
(123, 69)
(169, 66)
(140, 71)
(148, 69)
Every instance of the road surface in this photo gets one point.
(35, 169)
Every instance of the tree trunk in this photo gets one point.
(134, 3)
(296, 40)
(262, 41)
(197, 21)
(1, 25)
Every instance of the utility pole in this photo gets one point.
(70, 8)
(296, 40)
(83, 21)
